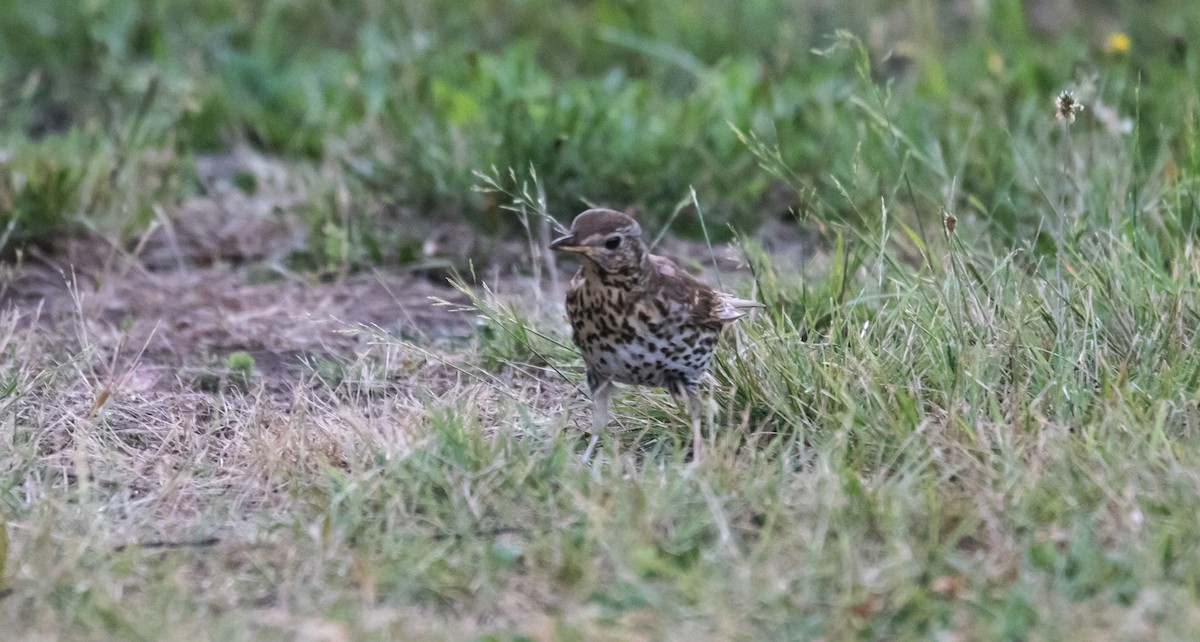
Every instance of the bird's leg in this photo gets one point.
(695, 406)
(601, 396)
(688, 395)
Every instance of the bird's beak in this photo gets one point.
(568, 244)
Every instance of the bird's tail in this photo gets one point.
(733, 308)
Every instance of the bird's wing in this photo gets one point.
(706, 304)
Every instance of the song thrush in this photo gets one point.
(637, 318)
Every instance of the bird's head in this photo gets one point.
(612, 241)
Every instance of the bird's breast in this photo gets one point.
(637, 339)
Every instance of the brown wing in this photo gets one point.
(706, 305)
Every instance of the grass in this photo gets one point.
(956, 459)
(610, 102)
(969, 412)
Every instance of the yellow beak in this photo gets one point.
(568, 244)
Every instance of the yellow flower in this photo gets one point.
(995, 63)
(1117, 43)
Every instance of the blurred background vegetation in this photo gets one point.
(386, 109)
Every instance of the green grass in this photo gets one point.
(610, 102)
(972, 414)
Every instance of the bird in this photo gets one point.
(638, 318)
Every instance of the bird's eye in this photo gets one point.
(613, 242)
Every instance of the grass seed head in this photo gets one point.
(1067, 106)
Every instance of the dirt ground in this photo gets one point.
(178, 318)
(210, 279)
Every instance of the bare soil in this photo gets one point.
(209, 279)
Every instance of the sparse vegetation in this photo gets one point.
(280, 356)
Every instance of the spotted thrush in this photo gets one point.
(637, 318)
